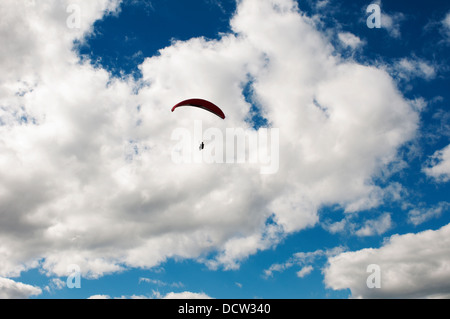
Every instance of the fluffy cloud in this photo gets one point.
(304, 260)
(186, 295)
(352, 225)
(160, 283)
(411, 266)
(305, 271)
(10, 289)
(439, 165)
(376, 226)
(446, 21)
(157, 295)
(410, 68)
(350, 40)
(420, 215)
(86, 173)
(55, 284)
(99, 297)
(391, 22)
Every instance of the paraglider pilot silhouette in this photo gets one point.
(203, 104)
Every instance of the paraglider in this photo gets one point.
(203, 104)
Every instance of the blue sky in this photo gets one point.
(144, 27)
(346, 196)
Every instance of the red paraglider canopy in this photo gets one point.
(203, 104)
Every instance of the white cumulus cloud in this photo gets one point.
(350, 40)
(86, 175)
(376, 226)
(410, 68)
(411, 266)
(420, 215)
(439, 165)
(186, 295)
(10, 289)
(305, 271)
